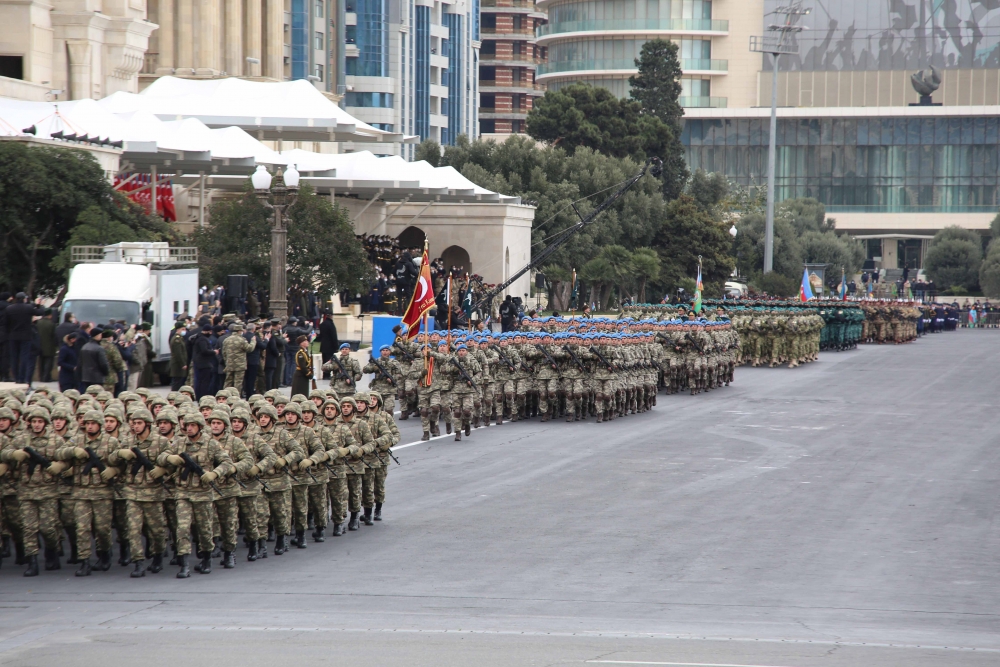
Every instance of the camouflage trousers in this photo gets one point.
(575, 391)
(410, 392)
(119, 520)
(487, 400)
(604, 391)
(389, 402)
(249, 513)
(548, 393)
(308, 497)
(380, 475)
(337, 490)
(40, 516)
(462, 408)
(10, 514)
(198, 515)
(227, 512)
(504, 394)
(67, 518)
(141, 513)
(263, 514)
(234, 379)
(93, 519)
(279, 505)
(523, 387)
(429, 404)
(354, 484)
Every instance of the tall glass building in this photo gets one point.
(597, 42)
(411, 67)
(851, 132)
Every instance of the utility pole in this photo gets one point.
(776, 44)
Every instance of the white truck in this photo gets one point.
(134, 282)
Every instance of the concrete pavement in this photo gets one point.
(841, 513)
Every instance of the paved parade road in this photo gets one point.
(842, 513)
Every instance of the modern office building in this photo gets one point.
(71, 49)
(597, 42)
(412, 66)
(276, 40)
(851, 131)
(509, 58)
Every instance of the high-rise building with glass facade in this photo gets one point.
(412, 67)
(597, 42)
(852, 132)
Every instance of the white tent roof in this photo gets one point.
(289, 110)
(188, 147)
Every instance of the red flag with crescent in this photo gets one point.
(422, 299)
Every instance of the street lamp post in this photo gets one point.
(277, 198)
(733, 232)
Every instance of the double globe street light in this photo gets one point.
(277, 198)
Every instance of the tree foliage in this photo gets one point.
(686, 232)
(44, 193)
(953, 258)
(429, 151)
(989, 271)
(323, 252)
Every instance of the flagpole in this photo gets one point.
(448, 300)
(572, 288)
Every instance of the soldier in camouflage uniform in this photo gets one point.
(337, 439)
(287, 452)
(355, 459)
(389, 377)
(116, 364)
(10, 508)
(234, 356)
(193, 492)
(251, 503)
(38, 488)
(463, 368)
(309, 487)
(508, 361)
(345, 372)
(226, 503)
(383, 447)
(407, 353)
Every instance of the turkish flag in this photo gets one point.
(422, 299)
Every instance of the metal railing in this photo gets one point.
(490, 83)
(600, 25)
(513, 4)
(704, 102)
(687, 65)
(133, 253)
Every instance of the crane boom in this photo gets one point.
(657, 167)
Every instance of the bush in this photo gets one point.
(989, 272)
(953, 260)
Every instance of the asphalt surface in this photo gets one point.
(840, 513)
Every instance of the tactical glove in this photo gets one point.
(209, 477)
(80, 453)
(20, 455)
(126, 454)
(280, 463)
(305, 463)
(109, 473)
(173, 459)
(254, 471)
(157, 472)
(343, 451)
(3, 469)
(56, 468)
(355, 451)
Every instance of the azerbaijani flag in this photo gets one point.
(697, 293)
(805, 291)
(843, 285)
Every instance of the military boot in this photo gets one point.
(368, 517)
(85, 569)
(270, 534)
(5, 552)
(280, 545)
(475, 422)
(103, 561)
(458, 436)
(261, 548)
(338, 529)
(435, 430)
(300, 539)
(447, 426)
(73, 555)
(217, 551)
(185, 571)
(404, 415)
(52, 560)
(228, 560)
(32, 562)
(140, 569)
(468, 428)
(353, 525)
(157, 565)
(319, 535)
(378, 511)
(252, 553)
(19, 557)
(426, 436)
(124, 555)
(205, 566)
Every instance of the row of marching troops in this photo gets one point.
(185, 474)
(552, 368)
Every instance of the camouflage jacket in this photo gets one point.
(138, 484)
(208, 454)
(90, 485)
(284, 447)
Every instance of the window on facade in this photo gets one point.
(376, 100)
(318, 41)
(12, 67)
(319, 8)
(318, 71)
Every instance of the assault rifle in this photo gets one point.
(504, 358)
(465, 375)
(576, 359)
(343, 371)
(94, 461)
(382, 370)
(548, 357)
(141, 461)
(699, 346)
(191, 466)
(604, 361)
(35, 459)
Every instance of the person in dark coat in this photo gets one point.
(303, 367)
(19, 316)
(203, 358)
(253, 358)
(328, 342)
(68, 326)
(4, 352)
(66, 363)
(178, 356)
(93, 361)
(292, 333)
(275, 357)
